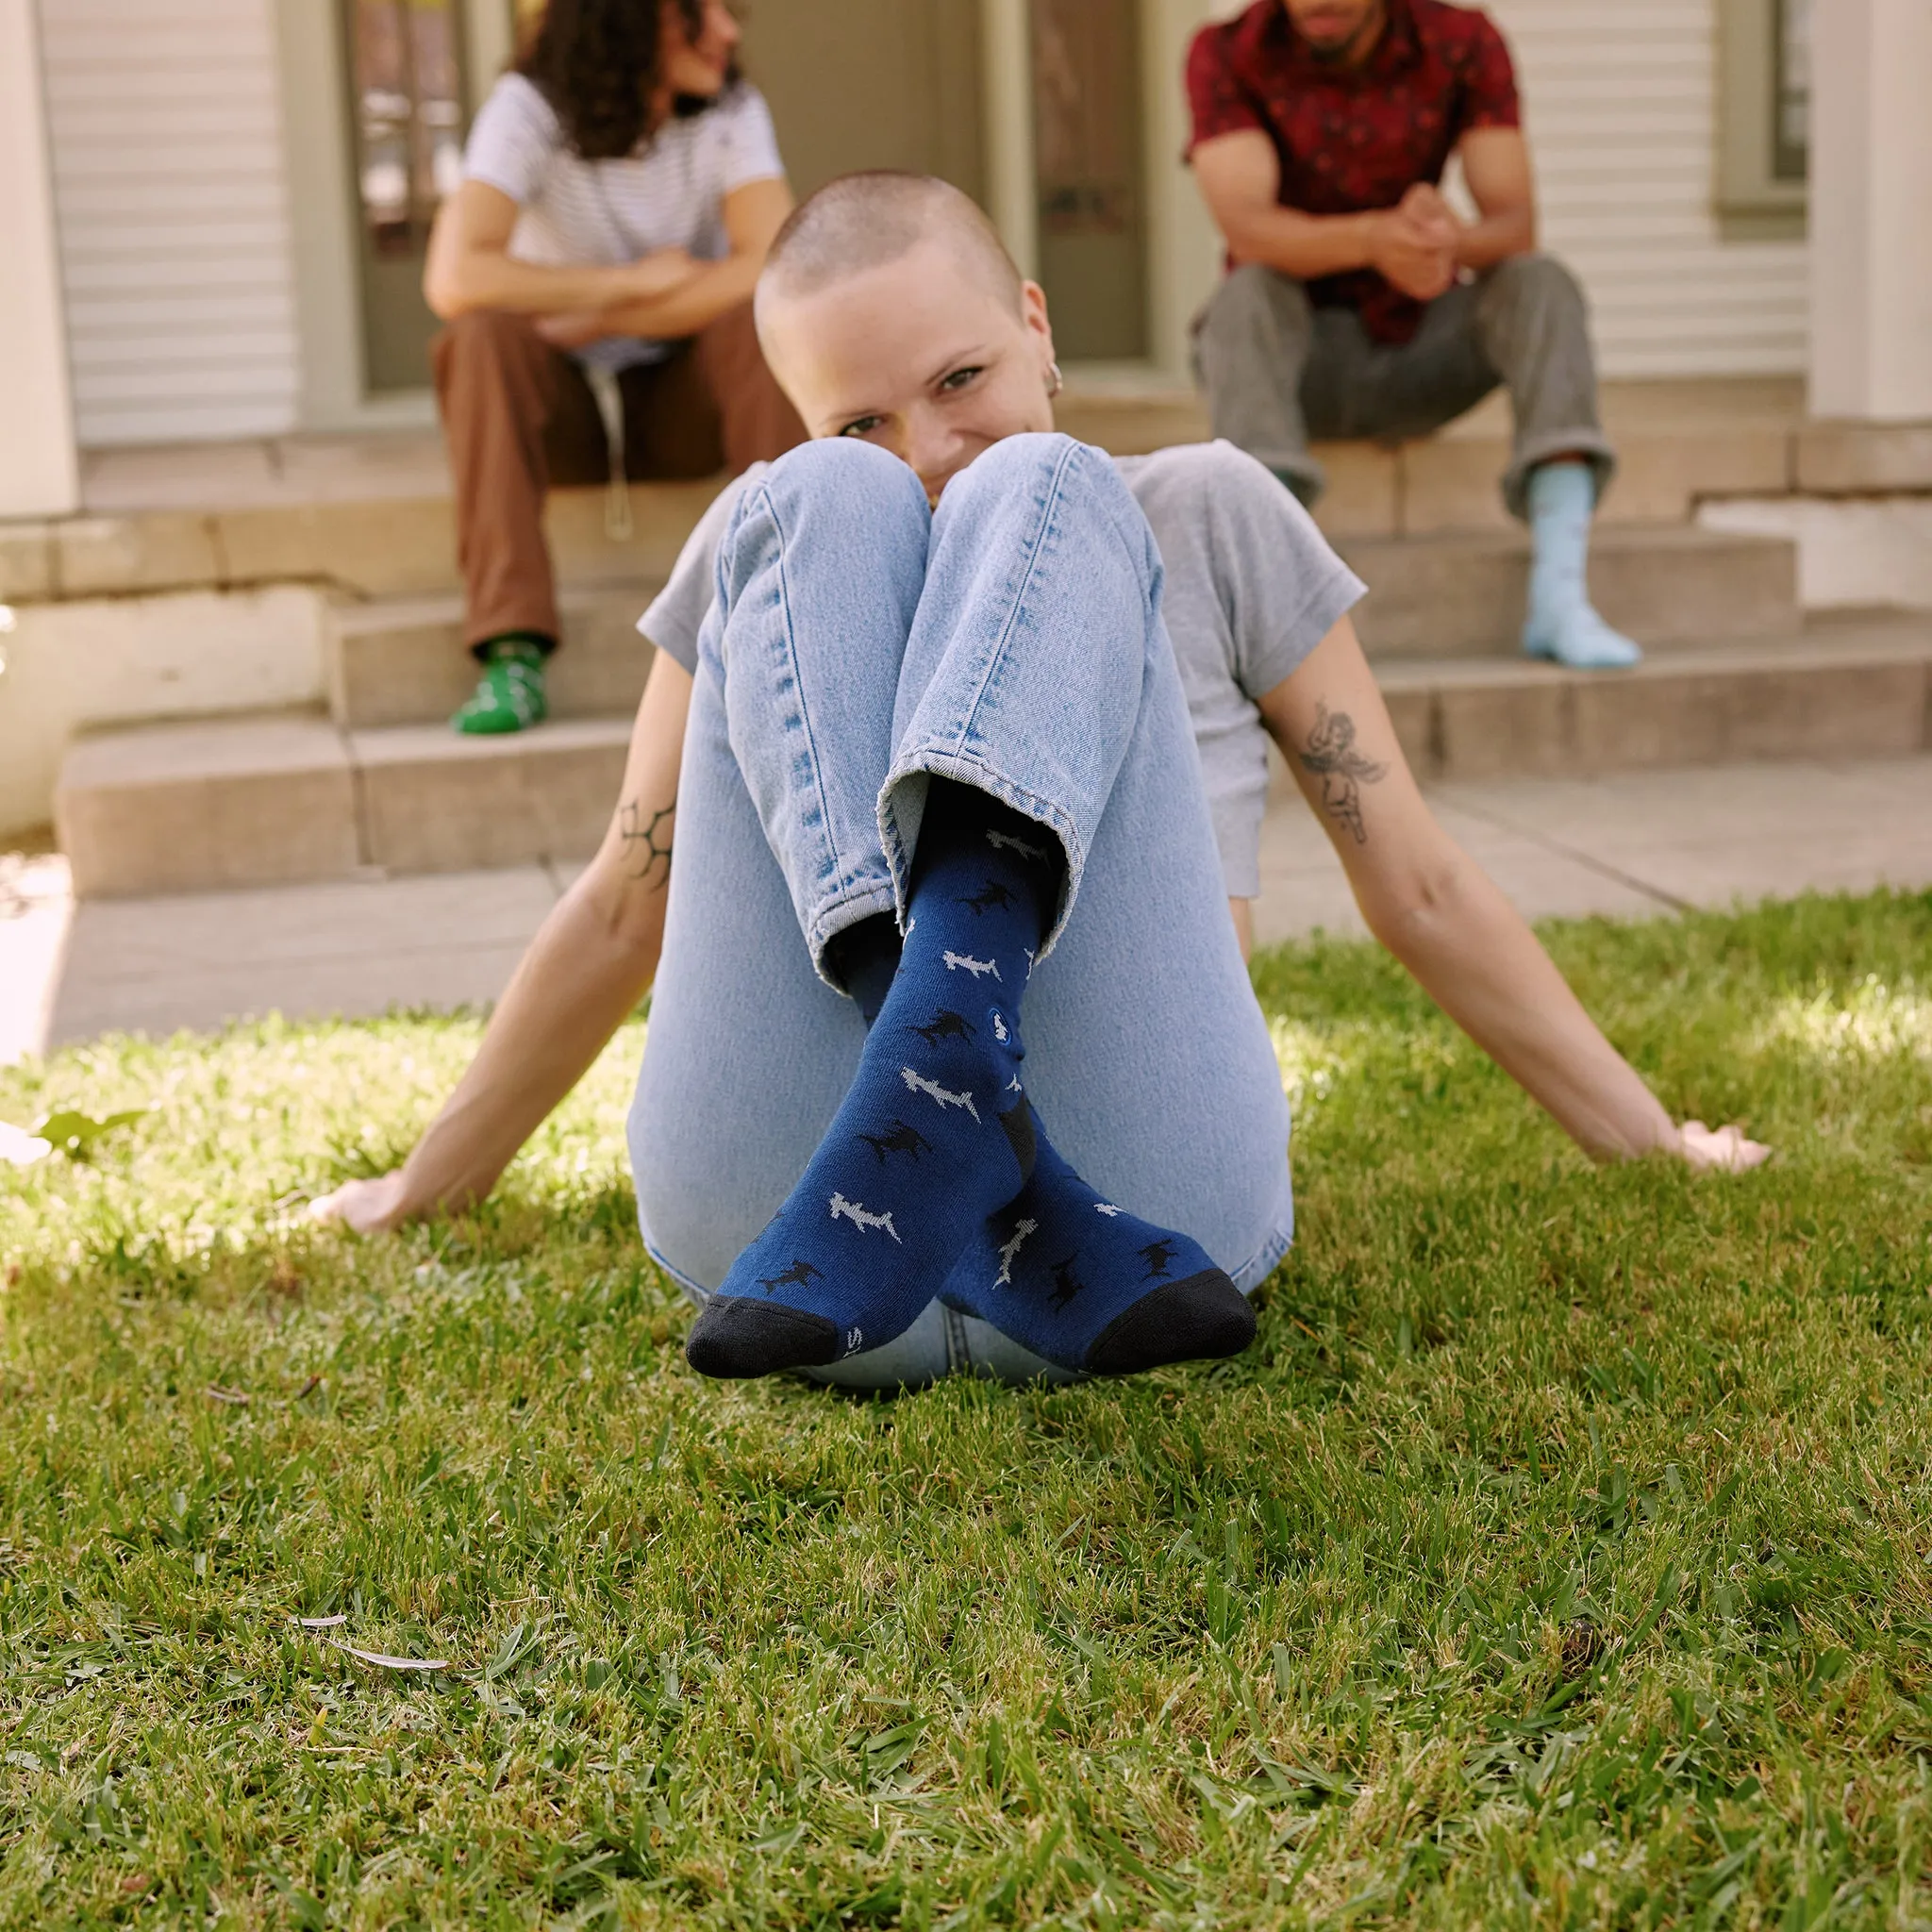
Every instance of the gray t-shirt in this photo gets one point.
(1252, 588)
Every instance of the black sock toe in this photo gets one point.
(1200, 1319)
(735, 1337)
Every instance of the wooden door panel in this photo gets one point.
(408, 87)
(870, 84)
(1086, 148)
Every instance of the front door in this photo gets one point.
(1090, 176)
(870, 84)
(408, 90)
(901, 84)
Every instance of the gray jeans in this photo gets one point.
(1277, 370)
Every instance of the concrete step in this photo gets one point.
(370, 514)
(1131, 419)
(258, 800)
(274, 798)
(401, 661)
(390, 536)
(1462, 595)
(433, 801)
(1679, 444)
(253, 801)
(1851, 686)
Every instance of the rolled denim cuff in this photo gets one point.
(1591, 444)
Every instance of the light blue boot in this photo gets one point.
(1562, 623)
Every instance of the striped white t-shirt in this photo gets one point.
(578, 213)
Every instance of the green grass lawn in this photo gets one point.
(1561, 1555)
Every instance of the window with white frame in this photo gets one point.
(1763, 119)
(1791, 129)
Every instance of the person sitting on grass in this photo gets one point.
(595, 271)
(937, 769)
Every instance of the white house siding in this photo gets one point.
(170, 192)
(1621, 108)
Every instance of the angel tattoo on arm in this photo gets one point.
(1331, 755)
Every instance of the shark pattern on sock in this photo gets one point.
(1080, 1281)
(934, 1134)
(1076, 1278)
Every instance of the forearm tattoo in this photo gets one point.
(1331, 754)
(646, 836)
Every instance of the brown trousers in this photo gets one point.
(519, 416)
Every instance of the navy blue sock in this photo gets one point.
(1073, 1277)
(935, 1133)
(1077, 1279)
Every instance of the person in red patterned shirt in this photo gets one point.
(1357, 303)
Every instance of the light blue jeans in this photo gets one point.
(860, 644)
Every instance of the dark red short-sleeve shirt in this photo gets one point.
(1352, 139)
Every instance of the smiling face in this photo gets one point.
(695, 65)
(921, 356)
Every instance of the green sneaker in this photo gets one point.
(509, 694)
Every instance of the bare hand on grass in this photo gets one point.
(364, 1206)
(1720, 1150)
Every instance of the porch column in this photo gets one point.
(1005, 37)
(39, 474)
(1872, 210)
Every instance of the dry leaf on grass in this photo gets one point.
(379, 1658)
(393, 1663)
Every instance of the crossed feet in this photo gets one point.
(935, 1178)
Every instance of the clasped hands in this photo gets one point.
(1414, 243)
(660, 273)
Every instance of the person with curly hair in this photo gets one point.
(594, 272)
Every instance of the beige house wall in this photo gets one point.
(1621, 106)
(168, 186)
(39, 474)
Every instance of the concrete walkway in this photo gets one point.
(1640, 844)
(1635, 846)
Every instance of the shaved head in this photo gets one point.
(869, 221)
(889, 311)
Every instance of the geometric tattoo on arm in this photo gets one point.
(646, 840)
(1343, 770)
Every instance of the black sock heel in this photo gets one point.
(1205, 1318)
